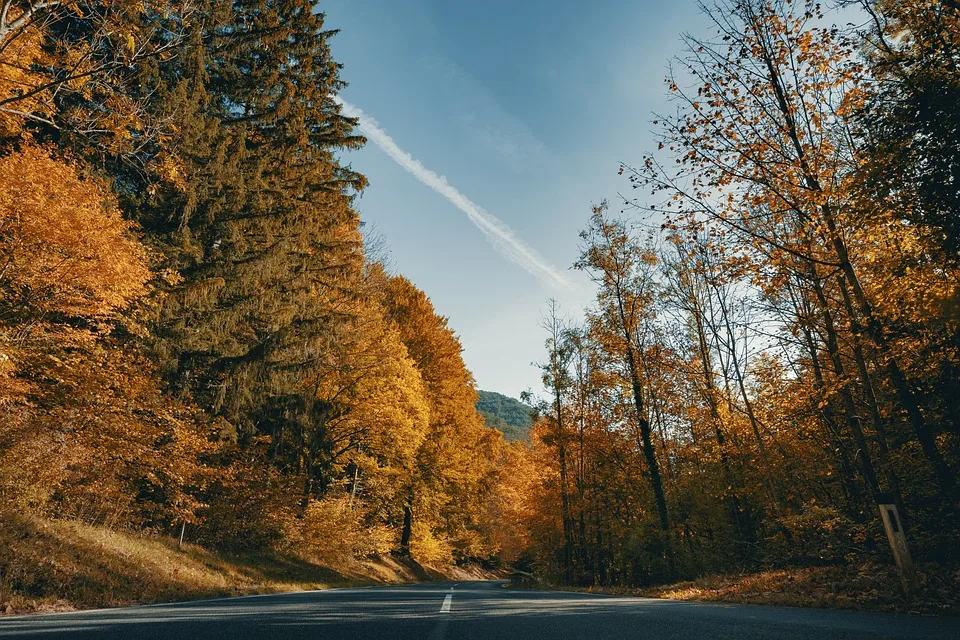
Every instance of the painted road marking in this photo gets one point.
(445, 607)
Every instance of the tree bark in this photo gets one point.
(407, 531)
(649, 453)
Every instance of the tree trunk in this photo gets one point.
(945, 478)
(893, 482)
(846, 396)
(648, 451)
(739, 515)
(407, 530)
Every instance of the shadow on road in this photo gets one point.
(479, 610)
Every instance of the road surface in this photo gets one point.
(466, 610)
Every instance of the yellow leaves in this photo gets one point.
(66, 246)
(457, 451)
(431, 547)
(170, 169)
(170, 276)
(333, 531)
(100, 424)
(17, 78)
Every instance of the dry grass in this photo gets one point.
(48, 565)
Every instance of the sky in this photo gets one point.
(492, 129)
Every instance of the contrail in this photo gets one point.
(499, 234)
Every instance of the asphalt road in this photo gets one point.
(467, 610)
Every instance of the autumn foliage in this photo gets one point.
(772, 351)
(192, 341)
(66, 250)
(195, 340)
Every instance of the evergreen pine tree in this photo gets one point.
(258, 230)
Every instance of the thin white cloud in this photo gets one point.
(492, 127)
(497, 233)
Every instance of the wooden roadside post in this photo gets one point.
(183, 529)
(898, 542)
(356, 481)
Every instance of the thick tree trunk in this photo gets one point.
(307, 466)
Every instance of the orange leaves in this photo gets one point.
(449, 473)
(64, 247)
(83, 419)
(90, 63)
(17, 75)
(95, 430)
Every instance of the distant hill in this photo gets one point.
(508, 415)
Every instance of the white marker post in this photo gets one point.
(898, 543)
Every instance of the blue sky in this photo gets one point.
(526, 108)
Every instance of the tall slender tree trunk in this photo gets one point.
(908, 400)
(846, 396)
(739, 374)
(649, 454)
(827, 414)
(739, 513)
(883, 452)
(558, 374)
(407, 531)
(564, 501)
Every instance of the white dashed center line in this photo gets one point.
(445, 607)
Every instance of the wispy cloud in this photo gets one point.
(484, 120)
(497, 233)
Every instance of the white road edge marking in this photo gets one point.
(445, 607)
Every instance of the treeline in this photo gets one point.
(192, 338)
(773, 349)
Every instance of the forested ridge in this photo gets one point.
(195, 341)
(508, 415)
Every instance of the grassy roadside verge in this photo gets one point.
(49, 565)
(867, 587)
